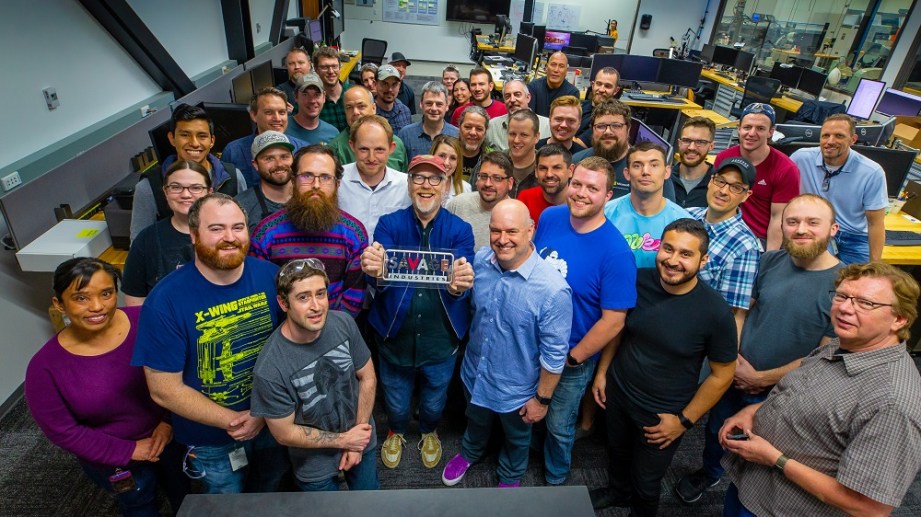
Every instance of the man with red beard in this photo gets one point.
(272, 159)
(554, 168)
(201, 329)
(789, 317)
(312, 225)
(647, 417)
(610, 140)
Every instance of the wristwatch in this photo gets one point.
(684, 421)
(781, 462)
(545, 401)
(571, 361)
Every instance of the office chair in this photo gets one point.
(372, 51)
(660, 52)
(757, 89)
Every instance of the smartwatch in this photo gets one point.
(684, 421)
(571, 361)
(544, 401)
(781, 462)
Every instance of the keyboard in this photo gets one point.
(651, 97)
(902, 238)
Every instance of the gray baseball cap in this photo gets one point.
(268, 139)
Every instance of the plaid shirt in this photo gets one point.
(334, 112)
(734, 255)
(399, 117)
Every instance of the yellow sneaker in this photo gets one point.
(392, 450)
(430, 446)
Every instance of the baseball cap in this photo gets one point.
(428, 159)
(268, 139)
(762, 108)
(387, 71)
(745, 168)
(396, 57)
(310, 79)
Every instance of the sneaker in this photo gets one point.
(392, 450)
(455, 470)
(516, 484)
(693, 486)
(430, 446)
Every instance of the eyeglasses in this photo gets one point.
(175, 188)
(327, 68)
(495, 178)
(298, 265)
(419, 179)
(309, 179)
(860, 304)
(689, 141)
(735, 188)
(616, 126)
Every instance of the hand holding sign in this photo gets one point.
(463, 277)
(372, 260)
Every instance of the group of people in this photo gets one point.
(577, 274)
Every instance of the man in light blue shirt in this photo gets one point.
(418, 136)
(854, 184)
(642, 215)
(518, 344)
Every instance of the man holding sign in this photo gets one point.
(418, 323)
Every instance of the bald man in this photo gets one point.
(511, 374)
(553, 85)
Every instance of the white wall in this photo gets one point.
(56, 43)
(665, 24)
(191, 31)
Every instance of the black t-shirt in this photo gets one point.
(575, 148)
(470, 167)
(157, 251)
(666, 339)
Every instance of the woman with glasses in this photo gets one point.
(450, 150)
(165, 245)
(88, 399)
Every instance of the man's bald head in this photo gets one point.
(510, 232)
(557, 67)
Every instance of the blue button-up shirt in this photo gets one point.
(418, 142)
(521, 323)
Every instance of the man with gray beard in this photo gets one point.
(312, 225)
(788, 319)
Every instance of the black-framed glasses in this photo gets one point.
(175, 188)
(495, 178)
(419, 179)
(861, 304)
(616, 126)
(735, 188)
(688, 141)
(297, 265)
(309, 179)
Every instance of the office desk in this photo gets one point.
(902, 255)
(683, 105)
(345, 68)
(729, 93)
(717, 119)
(506, 46)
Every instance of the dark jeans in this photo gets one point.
(360, 477)
(513, 458)
(267, 464)
(732, 506)
(636, 467)
(142, 501)
(398, 383)
(733, 401)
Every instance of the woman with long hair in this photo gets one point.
(450, 149)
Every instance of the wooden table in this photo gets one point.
(345, 68)
(506, 46)
(902, 255)
(785, 103)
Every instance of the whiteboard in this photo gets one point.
(564, 17)
(417, 12)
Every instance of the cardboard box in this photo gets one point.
(908, 130)
(68, 239)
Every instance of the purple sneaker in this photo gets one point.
(516, 484)
(455, 470)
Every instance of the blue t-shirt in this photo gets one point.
(212, 334)
(323, 133)
(598, 266)
(643, 233)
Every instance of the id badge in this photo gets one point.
(238, 459)
(122, 481)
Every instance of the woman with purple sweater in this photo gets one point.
(89, 401)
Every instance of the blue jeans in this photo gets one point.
(360, 477)
(513, 457)
(732, 506)
(733, 401)
(398, 382)
(561, 420)
(853, 248)
(142, 501)
(267, 461)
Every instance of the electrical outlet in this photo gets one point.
(11, 181)
(145, 110)
(51, 98)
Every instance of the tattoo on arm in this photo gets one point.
(319, 436)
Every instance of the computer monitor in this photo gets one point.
(583, 40)
(896, 103)
(725, 55)
(799, 133)
(539, 33)
(337, 24)
(812, 82)
(575, 51)
(865, 98)
(525, 50)
(869, 134)
(787, 74)
(744, 61)
(604, 41)
(895, 162)
(706, 53)
(642, 69)
(556, 40)
(231, 121)
(526, 28)
(315, 30)
(160, 141)
(262, 76)
(242, 86)
(640, 132)
(600, 61)
(680, 73)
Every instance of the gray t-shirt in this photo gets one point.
(791, 313)
(315, 381)
(467, 206)
(250, 203)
